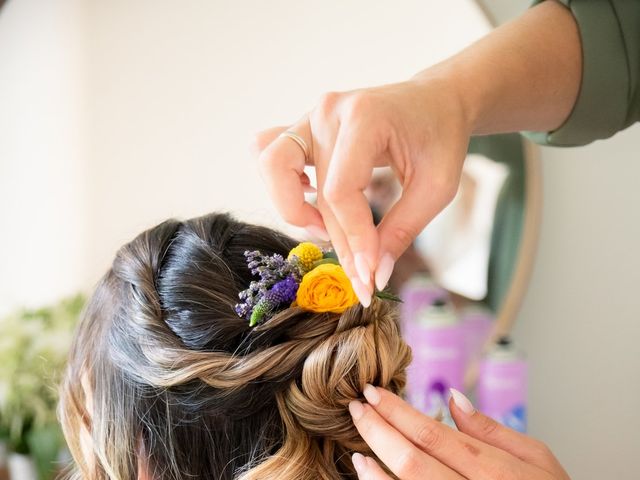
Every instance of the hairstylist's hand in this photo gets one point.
(418, 128)
(524, 75)
(415, 446)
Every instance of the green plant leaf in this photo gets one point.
(330, 254)
(387, 295)
(33, 353)
(44, 445)
(325, 261)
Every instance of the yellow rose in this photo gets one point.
(326, 288)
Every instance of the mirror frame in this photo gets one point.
(523, 267)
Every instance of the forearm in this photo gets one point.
(525, 75)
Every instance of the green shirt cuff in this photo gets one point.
(601, 107)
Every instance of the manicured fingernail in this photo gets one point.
(384, 270)
(371, 394)
(356, 409)
(462, 402)
(361, 292)
(359, 462)
(318, 232)
(362, 267)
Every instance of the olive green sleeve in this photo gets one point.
(608, 100)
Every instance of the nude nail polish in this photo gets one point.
(371, 394)
(363, 294)
(362, 267)
(359, 462)
(462, 402)
(384, 270)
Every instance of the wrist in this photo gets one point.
(524, 75)
(450, 78)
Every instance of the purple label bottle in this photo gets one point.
(477, 322)
(502, 386)
(437, 340)
(417, 293)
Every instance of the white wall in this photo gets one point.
(43, 234)
(178, 88)
(116, 115)
(580, 322)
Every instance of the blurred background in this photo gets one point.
(117, 115)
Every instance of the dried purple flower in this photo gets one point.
(282, 293)
(271, 269)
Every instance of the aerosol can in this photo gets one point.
(502, 385)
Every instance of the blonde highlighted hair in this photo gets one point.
(163, 368)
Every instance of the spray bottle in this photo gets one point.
(502, 385)
(437, 341)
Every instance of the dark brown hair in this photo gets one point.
(177, 378)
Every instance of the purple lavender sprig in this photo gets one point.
(282, 293)
(271, 269)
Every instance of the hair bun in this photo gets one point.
(365, 348)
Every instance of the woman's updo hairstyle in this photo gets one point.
(180, 382)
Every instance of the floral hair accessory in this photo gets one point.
(326, 288)
(309, 278)
(306, 254)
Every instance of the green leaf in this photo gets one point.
(324, 261)
(387, 295)
(44, 445)
(33, 353)
(330, 254)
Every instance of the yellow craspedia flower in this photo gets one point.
(326, 288)
(307, 254)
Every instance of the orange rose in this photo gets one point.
(326, 288)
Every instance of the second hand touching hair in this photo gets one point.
(166, 381)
